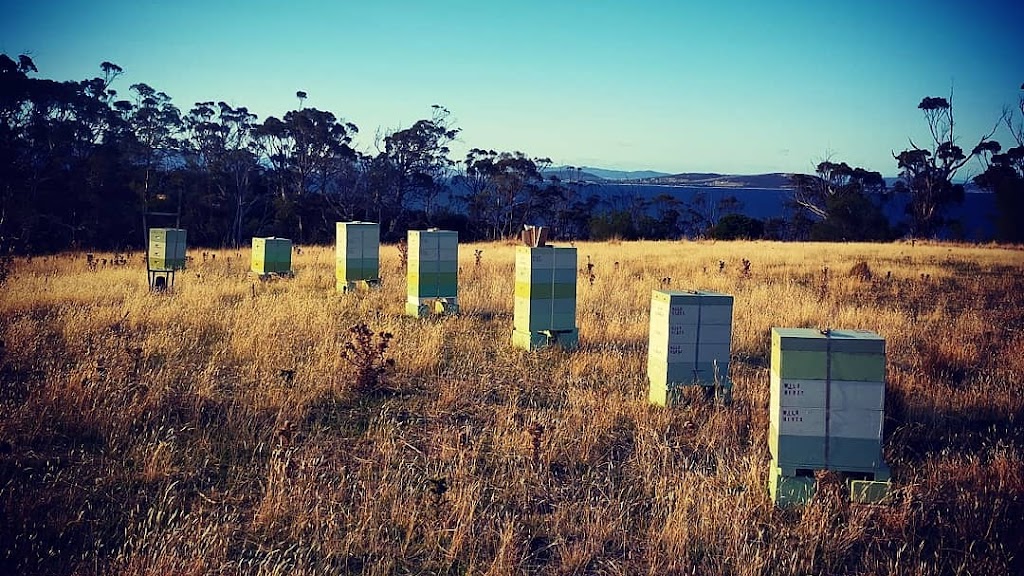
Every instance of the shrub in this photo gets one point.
(737, 227)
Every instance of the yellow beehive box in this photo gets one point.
(545, 289)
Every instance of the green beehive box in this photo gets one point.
(563, 313)
(796, 435)
(843, 395)
(544, 292)
(869, 491)
(166, 249)
(531, 315)
(826, 400)
(800, 353)
(797, 451)
(854, 454)
(271, 255)
(417, 266)
(357, 253)
(692, 307)
(686, 373)
(433, 266)
(432, 285)
(668, 381)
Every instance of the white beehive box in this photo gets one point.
(690, 336)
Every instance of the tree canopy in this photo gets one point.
(927, 173)
(1004, 176)
(844, 202)
(82, 166)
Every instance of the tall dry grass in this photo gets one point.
(217, 429)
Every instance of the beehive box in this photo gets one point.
(357, 253)
(545, 295)
(690, 338)
(166, 249)
(271, 255)
(433, 270)
(827, 399)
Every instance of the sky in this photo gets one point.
(673, 86)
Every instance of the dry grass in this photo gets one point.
(218, 429)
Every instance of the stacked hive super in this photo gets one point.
(357, 255)
(166, 255)
(545, 297)
(827, 405)
(271, 256)
(690, 337)
(433, 272)
(166, 249)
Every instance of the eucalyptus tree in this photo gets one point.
(221, 147)
(413, 165)
(156, 126)
(927, 173)
(305, 150)
(843, 202)
(59, 160)
(574, 206)
(15, 167)
(1004, 176)
(669, 212)
(501, 189)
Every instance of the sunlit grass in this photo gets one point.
(217, 428)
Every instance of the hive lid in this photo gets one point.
(812, 339)
(706, 297)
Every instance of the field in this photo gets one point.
(221, 429)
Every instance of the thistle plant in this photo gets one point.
(366, 351)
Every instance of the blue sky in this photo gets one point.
(676, 86)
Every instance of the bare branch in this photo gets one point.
(949, 114)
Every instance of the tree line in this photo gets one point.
(844, 202)
(83, 166)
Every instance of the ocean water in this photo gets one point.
(975, 213)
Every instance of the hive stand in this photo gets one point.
(827, 406)
(690, 337)
(160, 280)
(164, 257)
(271, 257)
(357, 256)
(432, 273)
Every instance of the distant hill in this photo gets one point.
(701, 179)
(622, 174)
(566, 175)
(713, 180)
(772, 180)
(592, 174)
